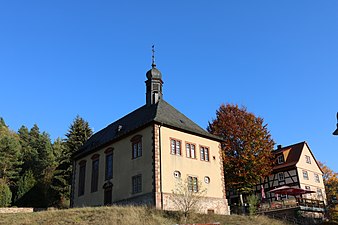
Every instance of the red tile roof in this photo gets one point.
(291, 156)
(294, 151)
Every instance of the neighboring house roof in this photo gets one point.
(161, 113)
(292, 155)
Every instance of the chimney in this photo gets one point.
(279, 146)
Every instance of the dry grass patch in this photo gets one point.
(116, 215)
(235, 220)
(100, 215)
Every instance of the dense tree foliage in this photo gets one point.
(78, 133)
(31, 166)
(25, 184)
(247, 146)
(10, 154)
(5, 194)
(331, 189)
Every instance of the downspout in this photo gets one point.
(160, 154)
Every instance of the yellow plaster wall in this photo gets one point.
(124, 167)
(188, 166)
(312, 169)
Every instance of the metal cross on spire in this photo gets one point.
(153, 56)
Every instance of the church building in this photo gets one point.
(139, 158)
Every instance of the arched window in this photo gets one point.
(109, 163)
(95, 172)
(82, 177)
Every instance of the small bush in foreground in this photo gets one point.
(5, 194)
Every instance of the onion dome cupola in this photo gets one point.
(153, 83)
(154, 73)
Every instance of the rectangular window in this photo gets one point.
(319, 192)
(82, 177)
(281, 176)
(109, 166)
(95, 175)
(175, 146)
(309, 189)
(317, 178)
(305, 175)
(308, 159)
(137, 184)
(190, 148)
(192, 184)
(204, 153)
(210, 211)
(137, 148)
(280, 159)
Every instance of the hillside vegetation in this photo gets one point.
(126, 216)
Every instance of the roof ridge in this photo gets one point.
(180, 121)
(290, 146)
(160, 112)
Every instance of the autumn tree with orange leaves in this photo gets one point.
(247, 146)
(330, 179)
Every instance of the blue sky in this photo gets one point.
(278, 58)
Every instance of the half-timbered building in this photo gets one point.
(297, 167)
(296, 171)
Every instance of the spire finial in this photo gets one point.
(153, 56)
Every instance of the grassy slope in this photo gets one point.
(124, 215)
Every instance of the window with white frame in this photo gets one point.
(175, 146)
(305, 175)
(319, 192)
(192, 184)
(204, 153)
(190, 150)
(281, 176)
(317, 178)
(309, 189)
(280, 159)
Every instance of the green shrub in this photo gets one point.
(253, 201)
(5, 194)
(25, 184)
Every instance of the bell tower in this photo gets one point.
(154, 83)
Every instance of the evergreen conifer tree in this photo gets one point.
(5, 194)
(10, 154)
(25, 184)
(29, 154)
(39, 162)
(78, 133)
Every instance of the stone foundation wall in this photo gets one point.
(205, 205)
(16, 210)
(146, 199)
